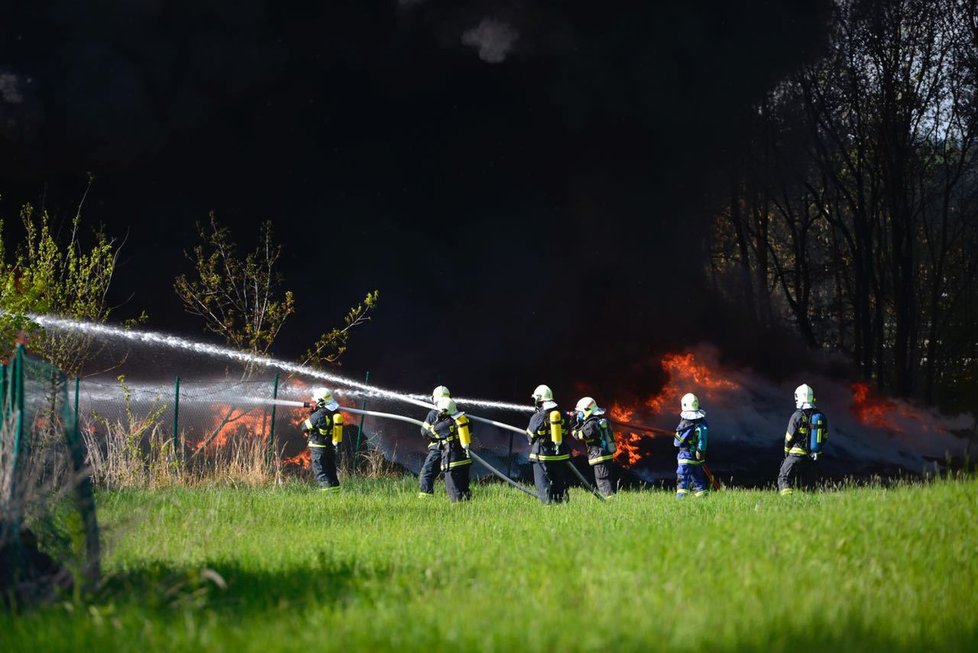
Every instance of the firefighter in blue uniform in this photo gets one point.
(432, 462)
(324, 428)
(692, 437)
(594, 429)
(453, 436)
(803, 441)
(548, 453)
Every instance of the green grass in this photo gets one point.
(864, 569)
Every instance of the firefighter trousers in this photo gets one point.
(796, 472)
(550, 480)
(605, 477)
(429, 471)
(323, 463)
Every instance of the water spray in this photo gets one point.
(175, 342)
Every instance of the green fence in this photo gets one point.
(42, 454)
(198, 419)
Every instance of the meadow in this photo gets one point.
(287, 568)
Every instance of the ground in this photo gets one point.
(291, 569)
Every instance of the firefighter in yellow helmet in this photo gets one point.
(453, 436)
(432, 462)
(324, 428)
(594, 429)
(804, 438)
(548, 453)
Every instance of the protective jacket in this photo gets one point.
(323, 427)
(692, 436)
(546, 435)
(806, 433)
(596, 433)
(426, 431)
(449, 435)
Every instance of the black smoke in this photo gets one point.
(527, 183)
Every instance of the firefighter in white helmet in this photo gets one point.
(432, 462)
(692, 436)
(548, 453)
(324, 428)
(452, 435)
(594, 429)
(803, 441)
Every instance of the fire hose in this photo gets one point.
(574, 469)
(475, 457)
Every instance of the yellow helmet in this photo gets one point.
(446, 405)
(438, 393)
(804, 394)
(542, 393)
(324, 397)
(689, 402)
(586, 405)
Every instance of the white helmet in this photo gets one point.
(324, 396)
(438, 393)
(689, 402)
(804, 394)
(542, 393)
(446, 405)
(586, 405)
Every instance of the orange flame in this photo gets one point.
(229, 422)
(878, 412)
(686, 374)
(302, 459)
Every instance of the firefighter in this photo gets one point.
(594, 430)
(548, 454)
(432, 462)
(803, 442)
(692, 436)
(452, 435)
(324, 428)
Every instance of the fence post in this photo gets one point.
(271, 425)
(16, 390)
(363, 406)
(176, 420)
(85, 493)
(3, 390)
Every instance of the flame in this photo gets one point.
(879, 412)
(302, 459)
(686, 374)
(628, 442)
(230, 422)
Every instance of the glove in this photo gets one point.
(815, 457)
(700, 455)
(336, 443)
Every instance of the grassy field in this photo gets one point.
(288, 568)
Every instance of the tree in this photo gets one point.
(863, 236)
(242, 300)
(48, 277)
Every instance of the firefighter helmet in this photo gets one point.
(542, 393)
(446, 405)
(804, 394)
(586, 405)
(689, 402)
(324, 397)
(438, 393)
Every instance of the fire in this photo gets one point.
(302, 459)
(628, 443)
(879, 412)
(229, 422)
(686, 374)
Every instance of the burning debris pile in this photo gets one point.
(748, 414)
